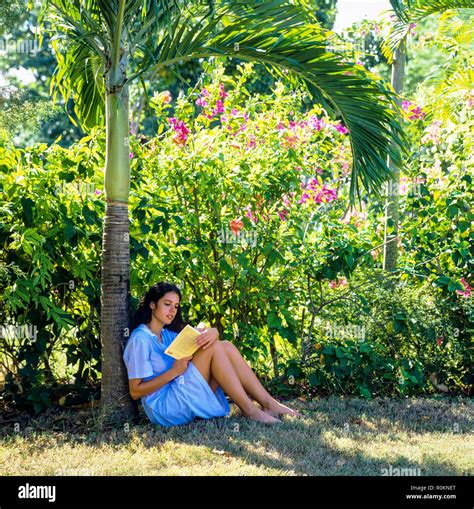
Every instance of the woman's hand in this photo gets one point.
(207, 337)
(181, 365)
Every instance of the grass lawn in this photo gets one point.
(337, 436)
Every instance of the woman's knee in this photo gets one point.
(228, 345)
(210, 349)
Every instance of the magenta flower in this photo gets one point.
(181, 131)
(319, 194)
(283, 214)
(340, 128)
(251, 143)
(205, 92)
(220, 106)
(222, 93)
(414, 112)
(316, 123)
(234, 111)
(131, 155)
(250, 215)
(201, 102)
(304, 198)
(467, 289)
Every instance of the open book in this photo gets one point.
(184, 344)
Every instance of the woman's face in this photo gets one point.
(166, 308)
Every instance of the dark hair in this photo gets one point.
(154, 294)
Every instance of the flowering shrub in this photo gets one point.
(243, 201)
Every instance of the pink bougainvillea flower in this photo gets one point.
(222, 93)
(236, 225)
(220, 106)
(234, 111)
(319, 194)
(316, 123)
(180, 129)
(205, 92)
(414, 112)
(340, 128)
(251, 143)
(201, 102)
(250, 215)
(282, 214)
(98, 191)
(304, 198)
(326, 195)
(467, 289)
(131, 155)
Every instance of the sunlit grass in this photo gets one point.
(337, 436)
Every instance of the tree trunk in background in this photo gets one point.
(115, 275)
(390, 253)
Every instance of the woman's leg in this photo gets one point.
(213, 362)
(251, 383)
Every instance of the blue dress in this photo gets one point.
(183, 399)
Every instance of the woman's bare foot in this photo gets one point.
(261, 416)
(276, 409)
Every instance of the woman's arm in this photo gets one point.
(139, 389)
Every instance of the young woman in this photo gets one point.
(175, 392)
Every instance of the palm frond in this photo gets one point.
(79, 75)
(409, 12)
(280, 36)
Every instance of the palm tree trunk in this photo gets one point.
(390, 254)
(115, 275)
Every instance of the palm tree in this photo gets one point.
(407, 13)
(103, 45)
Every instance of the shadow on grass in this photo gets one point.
(331, 439)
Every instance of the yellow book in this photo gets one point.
(183, 344)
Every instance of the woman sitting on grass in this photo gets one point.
(175, 392)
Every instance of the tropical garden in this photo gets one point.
(309, 191)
